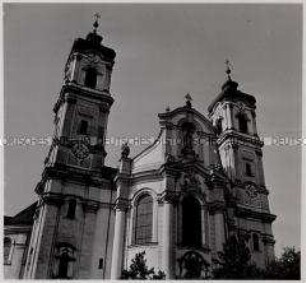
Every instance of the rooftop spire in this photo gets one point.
(95, 25)
(228, 69)
(188, 100)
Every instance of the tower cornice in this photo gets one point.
(237, 136)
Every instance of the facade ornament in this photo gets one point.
(170, 158)
(125, 151)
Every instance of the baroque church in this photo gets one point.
(201, 182)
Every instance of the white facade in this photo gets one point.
(201, 181)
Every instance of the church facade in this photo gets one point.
(199, 183)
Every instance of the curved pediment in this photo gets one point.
(181, 114)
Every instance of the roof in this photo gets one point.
(93, 43)
(231, 93)
(24, 217)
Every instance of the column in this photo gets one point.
(118, 244)
(203, 225)
(219, 230)
(167, 239)
(90, 213)
(155, 222)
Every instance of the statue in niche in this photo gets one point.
(125, 151)
(188, 130)
(190, 180)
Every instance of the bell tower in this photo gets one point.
(72, 228)
(81, 112)
(240, 149)
(233, 115)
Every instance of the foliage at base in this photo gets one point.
(139, 270)
(234, 261)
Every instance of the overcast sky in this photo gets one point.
(163, 52)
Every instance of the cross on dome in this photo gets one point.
(97, 16)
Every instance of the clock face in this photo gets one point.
(80, 150)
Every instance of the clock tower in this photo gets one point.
(72, 232)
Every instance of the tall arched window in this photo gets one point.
(192, 230)
(71, 209)
(7, 249)
(219, 126)
(91, 78)
(143, 220)
(243, 123)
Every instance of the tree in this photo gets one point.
(234, 261)
(139, 270)
(287, 267)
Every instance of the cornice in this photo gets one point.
(97, 178)
(249, 213)
(235, 137)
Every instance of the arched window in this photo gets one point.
(248, 169)
(192, 231)
(83, 127)
(219, 126)
(143, 220)
(255, 242)
(7, 249)
(71, 209)
(63, 266)
(91, 78)
(243, 123)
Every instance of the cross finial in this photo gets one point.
(97, 16)
(188, 99)
(228, 69)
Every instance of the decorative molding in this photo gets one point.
(90, 206)
(168, 196)
(122, 204)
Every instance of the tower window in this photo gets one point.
(7, 249)
(65, 262)
(91, 78)
(243, 123)
(71, 209)
(100, 263)
(143, 221)
(83, 127)
(191, 222)
(63, 267)
(248, 170)
(255, 242)
(219, 126)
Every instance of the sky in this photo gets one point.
(163, 52)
